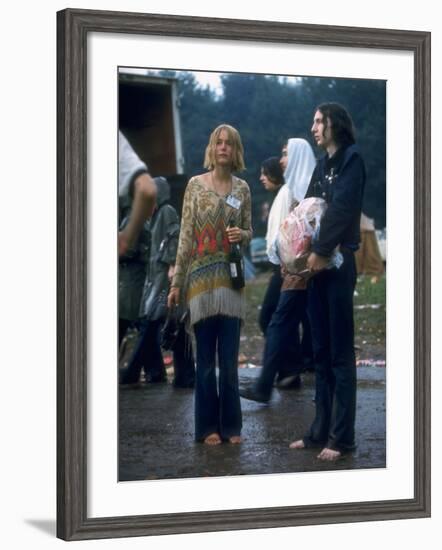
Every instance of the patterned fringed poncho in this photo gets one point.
(202, 268)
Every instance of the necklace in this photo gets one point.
(212, 180)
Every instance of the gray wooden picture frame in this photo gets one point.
(73, 27)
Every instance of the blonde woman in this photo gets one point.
(216, 213)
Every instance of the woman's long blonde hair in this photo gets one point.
(238, 149)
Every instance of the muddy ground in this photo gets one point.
(156, 420)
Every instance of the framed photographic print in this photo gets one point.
(263, 108)
(128, 464)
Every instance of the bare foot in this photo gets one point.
(329, 454)
(299, 444)
(212, 439)
(235, 439)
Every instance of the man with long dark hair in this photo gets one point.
(339, 178)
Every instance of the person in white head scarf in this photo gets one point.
(298, 163)
(284, 355)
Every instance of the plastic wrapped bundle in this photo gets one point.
(296, 234)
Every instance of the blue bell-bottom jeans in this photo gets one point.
(217, 402)
(295, 351)
(282, 339)
(330, 308)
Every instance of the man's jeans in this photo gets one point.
(330, 307)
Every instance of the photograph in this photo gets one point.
(228, 217)
(239, 354)
(238, 345)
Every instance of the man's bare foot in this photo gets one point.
(212, 439)
(299, 444)
(235, 439)
(329, 454)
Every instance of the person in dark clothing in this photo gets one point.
(339, 178)
(132, 268)
(136, 201)
(272, 178)
(164, 230)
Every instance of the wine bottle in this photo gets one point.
(236, 265)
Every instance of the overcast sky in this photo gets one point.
(214, 79)
(208, 78)
(205, 78)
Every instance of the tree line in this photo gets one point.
(267, 110)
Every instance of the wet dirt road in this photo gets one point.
(156, 432)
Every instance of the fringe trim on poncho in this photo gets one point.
(219, 301)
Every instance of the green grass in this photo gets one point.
(370, 329)
(369, 293)
(369, 323)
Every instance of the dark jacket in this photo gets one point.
(340, 180)
(132, 270)
(164, 229)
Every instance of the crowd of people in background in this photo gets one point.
(146, 265)
(183, 270)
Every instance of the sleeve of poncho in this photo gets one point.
(246, 218)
